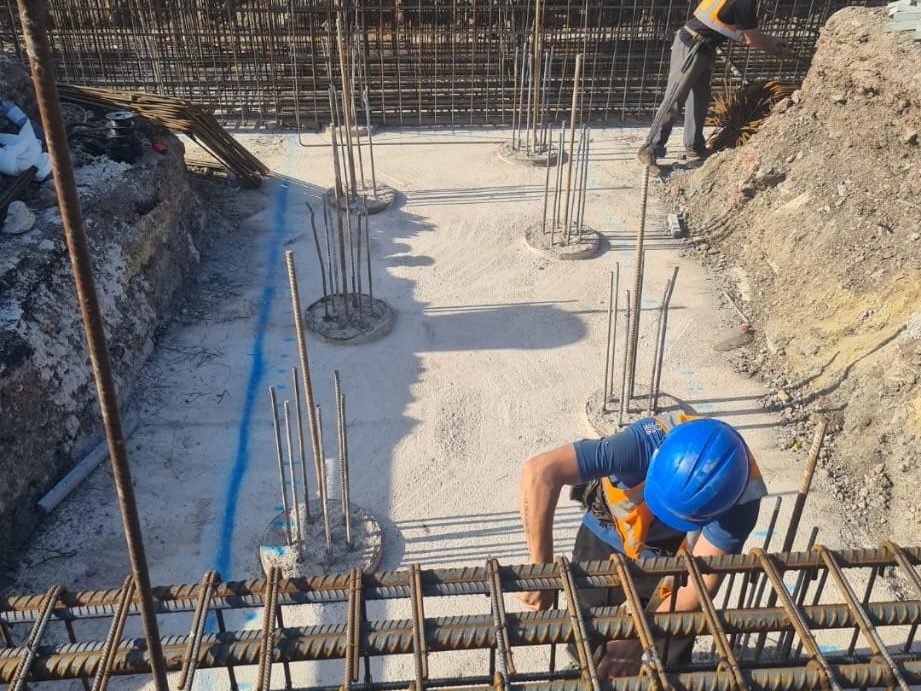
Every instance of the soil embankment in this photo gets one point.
(815, 226)
(142, 221)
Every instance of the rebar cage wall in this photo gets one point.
(269, 63)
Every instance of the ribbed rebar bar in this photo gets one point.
(34, 16)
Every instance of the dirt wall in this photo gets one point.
(814, 224)
(141, 221)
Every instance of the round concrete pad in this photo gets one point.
(584, 247)
(378, 202)
(522, 157)
(603, 418)
(360, 131)
(373, 321)
(365, 552)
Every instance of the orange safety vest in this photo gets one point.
(631, 516)
(708, 12)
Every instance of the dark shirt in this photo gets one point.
(624, 458)
(742, 13)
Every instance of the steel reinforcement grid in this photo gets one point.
(269, 62)
(799, 620)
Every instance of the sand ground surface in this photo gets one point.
(492, 357)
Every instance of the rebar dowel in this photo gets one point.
(26, 659)
(497, 609)
(572, 139)
(577, 624)
(859, 613)
(577, 162)
(557, 192)
(609, 383)
(420, 645)
(650, 407)
(346, 115)
(651, 659)
(543, 217)
(364, 98)
(527, 126)
(267, 638)
(279, 456)
(352, 629)
(190, 659)
(308, 387)
(302, 455)
(805, 483)
(624, 406)
(607, 351)
(333, 133)
(34, 16)
(796, 618)
(536, 48)
(655, 384)
(344, 473)
(316, 242)
(727, 656)
(330, 253)
(298, 527)
(368, 260)
(633, 333)
(588, 142)
(803, 579)
(754, 580)
(113, 638)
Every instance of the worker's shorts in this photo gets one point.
(589, 548)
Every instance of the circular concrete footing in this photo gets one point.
(522, 156)
(360, 131)
(327, 319)
(555, 246)
(365, 552)
(602, 416)
(377, 202)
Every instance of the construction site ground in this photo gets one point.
(493, 355)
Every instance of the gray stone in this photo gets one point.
(19, 219)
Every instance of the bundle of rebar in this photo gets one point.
(733, 665)
(737, 113)
(180, 116)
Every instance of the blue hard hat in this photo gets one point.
(699, 471)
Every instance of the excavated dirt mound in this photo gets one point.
(814, 225)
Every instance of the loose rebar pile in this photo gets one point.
(177, 115)
(756, 645)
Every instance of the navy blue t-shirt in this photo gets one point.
(624, 458)
(741, 13)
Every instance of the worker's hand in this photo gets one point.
(537, 599)
(618, 659)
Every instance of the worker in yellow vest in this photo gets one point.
(693, 50)
(646, 489)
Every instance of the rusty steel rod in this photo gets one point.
(633, 332)
(572, 139)
(302, 456)
(34, 16)
(308, 386)
(279, 457)
(382, 585)
(471, 632)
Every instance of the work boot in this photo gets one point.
(646, 156)
(695, 155)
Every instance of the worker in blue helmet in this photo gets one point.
(645, 489)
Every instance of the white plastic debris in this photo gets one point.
(19, 152)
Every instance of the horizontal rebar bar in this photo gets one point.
(435, 582)
(473, 632)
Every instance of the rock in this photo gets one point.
(18, 219)
(915, 236)
(782, 105)
(839, 99)
(796, 96)
(909, 138)
(783, 396)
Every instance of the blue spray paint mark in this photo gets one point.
(253, 384)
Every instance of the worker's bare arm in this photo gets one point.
(542, 479)
(769, 44)
(622, 658)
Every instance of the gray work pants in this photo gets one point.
(694, 92)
